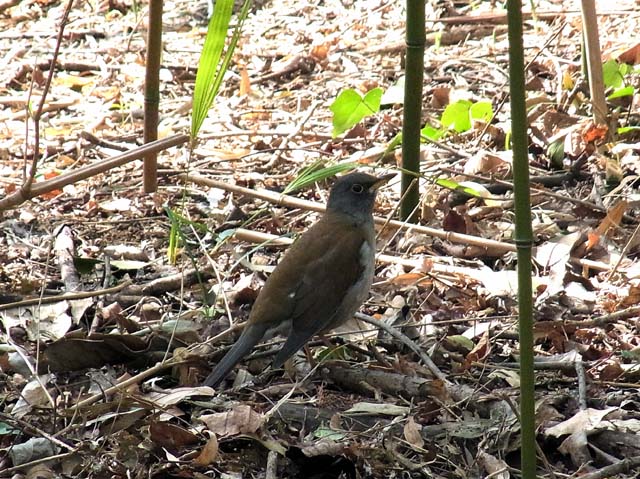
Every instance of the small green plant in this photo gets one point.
(214, 59)
(350, 108)
(177, 237)
(460, 115)
(613, 75)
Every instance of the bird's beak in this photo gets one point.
(381, 181)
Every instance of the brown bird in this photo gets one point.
(323, 279)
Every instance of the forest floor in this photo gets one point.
(148, 279)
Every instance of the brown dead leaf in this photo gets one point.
(32, 395)
(454, 221)
(240, 420)
(631, 55)
(171, 436)
(613, 218)
(408, 279)
(320, 52)
(412, 434)
(440, 97)
(480, 352)
(76, 351)
(53, 193)
(245, 82)
(209, 452)
(324, 447)
(633, 297)
(10, 188)
(593, 239)
(484, 163)
(494, 467)
(583, 421)
(611, 372)
(64, 160)
(165, 398)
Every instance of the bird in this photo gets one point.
(321, 281)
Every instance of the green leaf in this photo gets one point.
(620, 92)
(555, 152)
(316, 172)
(350, 108)
(213, 65)
(432, 133)
(455, 186)
(612, 74)
(456, 115)
(628, 129)
(482, 110)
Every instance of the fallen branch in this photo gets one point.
(63, 297)
(290, 201)
(37, 189)
(489, 247)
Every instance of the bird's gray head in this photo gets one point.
(354, 194)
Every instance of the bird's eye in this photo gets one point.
(357, 188)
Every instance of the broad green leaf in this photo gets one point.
(432, 133)
(482, 110)
(454, 185)
(394, 143)
(620, 92)
(327, 433)
(7, 429)
(456, 115)
(350, 108)
(612, 74)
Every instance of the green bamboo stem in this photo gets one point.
(412, 116)
(523, 237)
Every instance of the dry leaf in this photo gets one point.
(494, 467)
(408, 279)
(245, 82)
(480, 352)
(171, 436)
(209, 452)
(240, 420)
(613, 218)
(412, 433)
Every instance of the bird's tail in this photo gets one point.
(251, 335)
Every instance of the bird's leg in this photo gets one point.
(309, 355)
